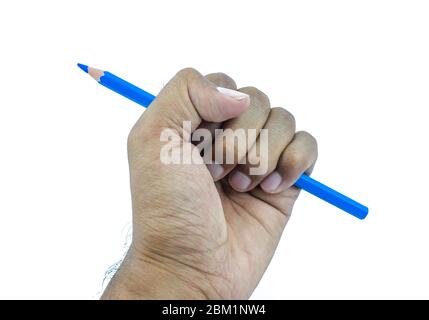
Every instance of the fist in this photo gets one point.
(212, 169)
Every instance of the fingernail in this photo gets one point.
(240, 181)
(272, 182)
(216, 170)
(237, 95)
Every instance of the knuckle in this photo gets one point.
(222, 79)
(310, 139)
(187, 73)
(259, 98)
(253, 91)
(283, 116)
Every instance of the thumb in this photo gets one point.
(189, 96)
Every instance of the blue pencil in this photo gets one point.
(305, 182)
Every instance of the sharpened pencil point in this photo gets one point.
(83, 67)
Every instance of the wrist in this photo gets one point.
(141, 277)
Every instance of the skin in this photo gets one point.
(196, 233)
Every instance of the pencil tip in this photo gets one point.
(83, 67)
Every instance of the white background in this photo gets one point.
(354, 73)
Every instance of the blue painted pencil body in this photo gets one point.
(126, 89)
(306, 183)
(331, 196)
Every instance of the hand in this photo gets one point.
(208, 231)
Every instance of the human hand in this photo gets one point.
(208, 231)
